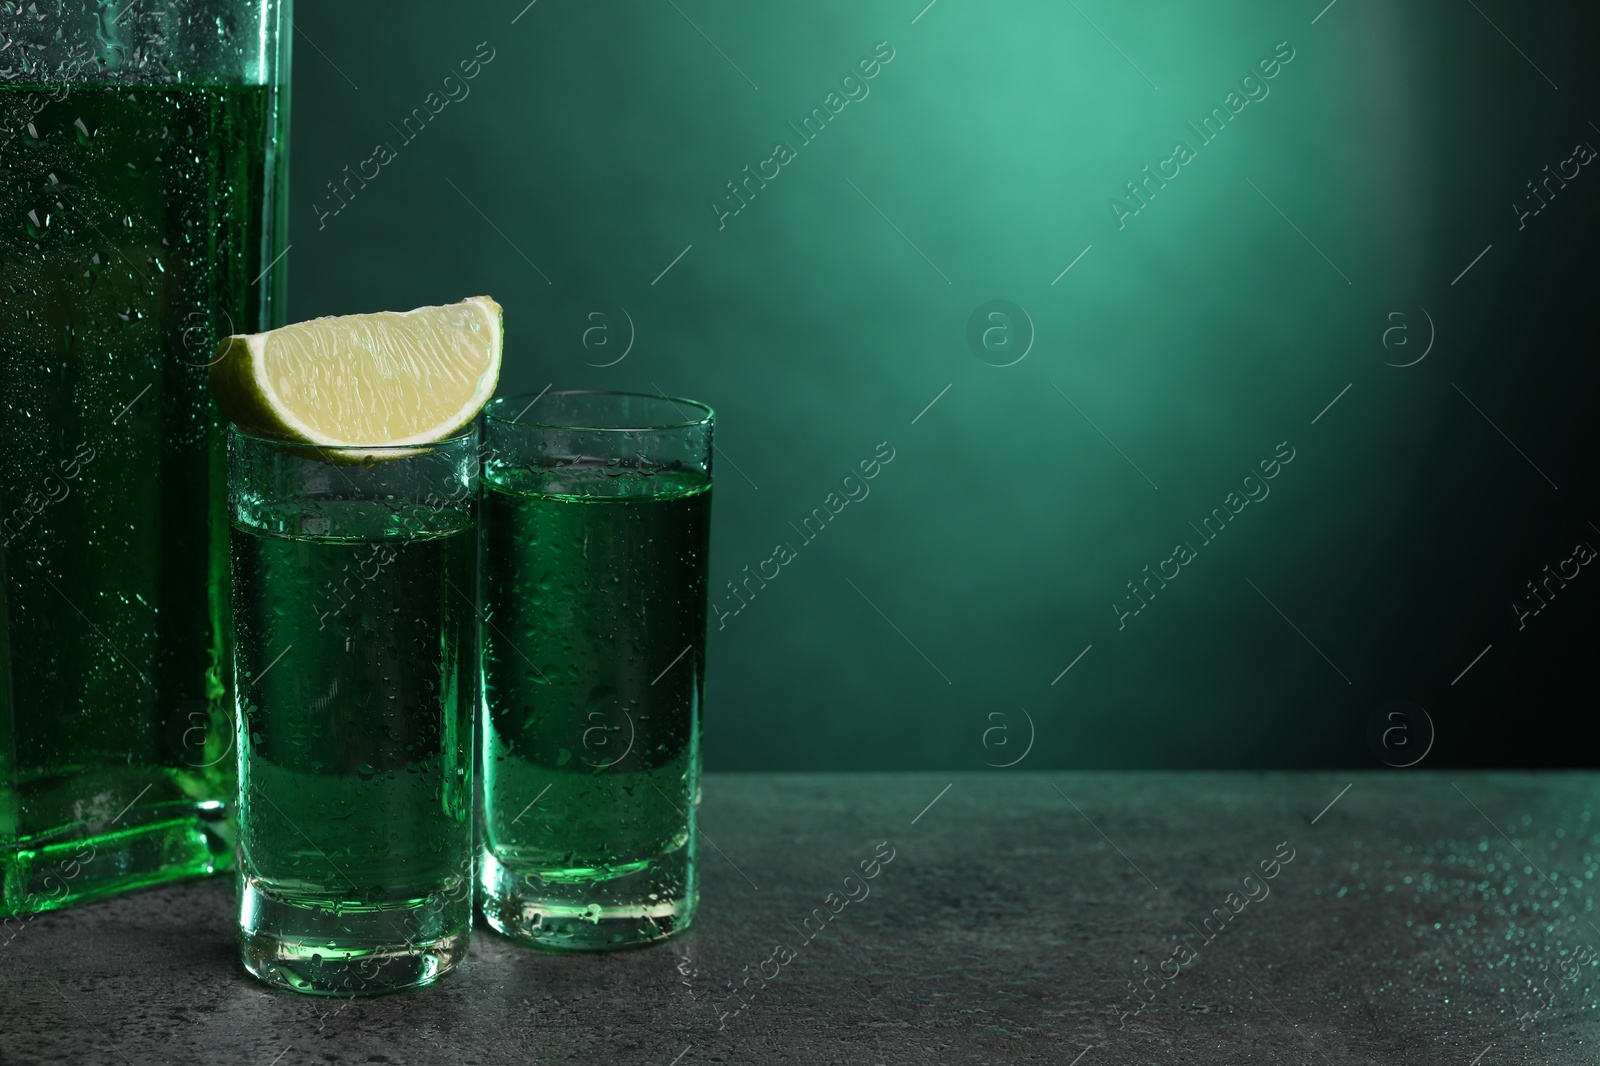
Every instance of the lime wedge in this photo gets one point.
(390, 378)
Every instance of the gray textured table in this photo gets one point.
(1424, 918)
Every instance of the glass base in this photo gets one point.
(150, 843)
(323, 951)
(651, 902)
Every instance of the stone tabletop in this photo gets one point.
(1139, 918)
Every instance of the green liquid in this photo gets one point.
(594, 644)
(131, 224)
(356, 668)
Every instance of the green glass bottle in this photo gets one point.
(139, 222)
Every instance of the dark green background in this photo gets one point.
(1197, 338)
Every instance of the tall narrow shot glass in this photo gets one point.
(596, 526)
(355, 634)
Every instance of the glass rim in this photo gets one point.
(467, 432)
(709, 416)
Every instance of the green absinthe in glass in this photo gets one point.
(594, 635)
(131, 237)
(357, 666)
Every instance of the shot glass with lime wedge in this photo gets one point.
(353, 502)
